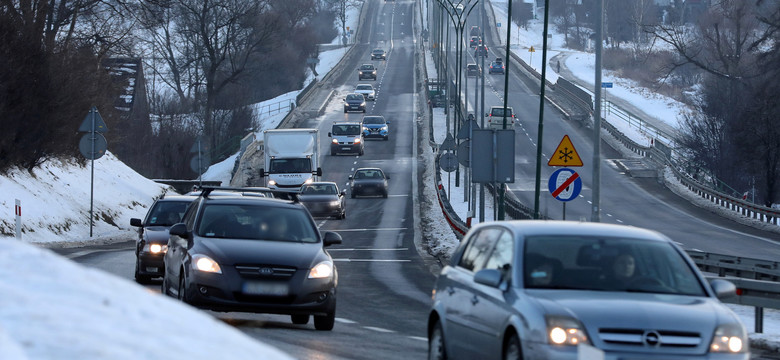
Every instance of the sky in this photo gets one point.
(54, 308)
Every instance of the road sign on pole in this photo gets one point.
(565, 184)
(565, 154)
(92, 145)
(18, 213)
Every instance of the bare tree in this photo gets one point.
(341, 7)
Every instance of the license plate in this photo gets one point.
(346, 148)
(151, 269)
(266, 288)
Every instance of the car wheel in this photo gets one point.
(300, 319)
(141, 279)
(436, 349)
(384, 194)
(364, 110)
(343, 214)
(332, 153)
(345, 111)
(386, 138)
(361, 152)
(325, 323)
(512, 350)
(352, 194)
(182, 296)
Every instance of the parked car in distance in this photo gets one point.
(252, 254)
(473, 70)
(367, 91)
(378, 54)
(376, 126)
(544, 289)
(152, 241)
(495, 117)
(354, 102)
(346, 137)
(323, 199)
(367, 71)
(496, 67)
(368, 181)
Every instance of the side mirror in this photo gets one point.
(343, 192)
(331, 238)
(136, 222)
(387, 177)
(723, 288)
(262, 172)
(319, 171)
(350, 177)
(179, 230)
(489, 277)
(387, 122)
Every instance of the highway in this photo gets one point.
(385, 281)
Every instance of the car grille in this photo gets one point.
(288, 186)
(650, 338)
(266, 271)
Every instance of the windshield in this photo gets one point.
(355, 97)
(290, 166)
(373, 120)
(367, 67)
(256, 222)
(364, 87)
(167, 213)
(346, 129)
(607, 264)
(320, 189)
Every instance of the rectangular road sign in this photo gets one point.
(606, 85)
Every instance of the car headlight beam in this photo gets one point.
(155, 248)
(321, 271)
(729, 338)
(206, 264)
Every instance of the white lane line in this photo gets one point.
(401, 195)
(345, 321)
(378, 329)
(418, 338)
(371, 260)
(353, 249)
(77, 254)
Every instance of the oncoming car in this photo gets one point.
(366, 90)
(346, 137)
(378, 54)
(375, 126)
(323, 199)
(152, 241)
(368, 181)
(542, 289)
(367, 71)
(252, 254)
(354, 102)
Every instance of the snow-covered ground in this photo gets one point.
(53, 308)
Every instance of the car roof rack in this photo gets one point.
(206, 190)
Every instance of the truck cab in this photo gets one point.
(291, 158)
(346, 137)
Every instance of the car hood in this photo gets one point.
(317, 198)
(355, 101)
(232, 252)
(374, 126)
(156, 234)
(599, 310)
(368, 182)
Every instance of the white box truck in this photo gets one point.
(292, 158)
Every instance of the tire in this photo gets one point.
(512, 349)
(386, 138)
(332, 153)
(325, 323)
(141, 279)
(361, 152)
(182, 296)
(436, 347)
(343, 214)
(346, 111)
(352, 194)
(299, 319)
(384, 194)
(364, 110)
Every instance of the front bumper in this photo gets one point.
(323, 209)
(151, 264)
(354, 108)
(230, 291)
(375, 133)
(546, 351)
(348, 148)
(368, 190)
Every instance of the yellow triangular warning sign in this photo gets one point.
(565, 154)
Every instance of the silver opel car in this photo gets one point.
(556, 289)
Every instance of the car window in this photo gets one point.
(290, 166)
(354, 97)
(364, 87)
(167, 213)
(598, 263)
(346, 129)
(255, 222)
(478, 248)
(373, 120)
(367, 67)
(502, 254)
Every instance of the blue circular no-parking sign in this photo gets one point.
(565, 184)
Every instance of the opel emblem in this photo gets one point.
(651, 338)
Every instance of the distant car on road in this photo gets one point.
(474, 41)
(376, 126)
(367, 90)
(323, 199)
(252, 254)
(473, 70)
(378, 54)
(368, 181)
(367, 71)
(496, 67)
(481, 50)
(495, 117)
(354, 102)
(346, 137)
(543, 289)
(152, 241)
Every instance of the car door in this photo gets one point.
(490, 307)
(177, 249)
(459, 292)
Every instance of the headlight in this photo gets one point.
(729, 338)
(155, 248)
(335, 141)
(206, 264)
(309, 181)
(271, 183)
(384, 128)
(565, 331)
(321, 271)
(335, 203)
(365, 128)
(357, 141)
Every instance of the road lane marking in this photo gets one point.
(368, 249)
(371, 260)
(384, 229)
(345, 321)
(378, 329)
(418, 338)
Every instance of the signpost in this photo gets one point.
(18, 213)
(531, 51)
(605, 85)
(93, 146)
(565, 184)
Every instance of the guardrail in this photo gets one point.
(757, 293)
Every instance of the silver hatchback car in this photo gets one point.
(553, 289)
